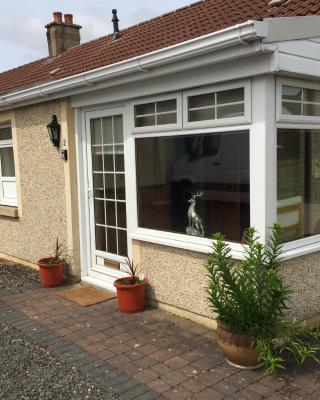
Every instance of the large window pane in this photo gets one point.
(207, 175)
(298, 205)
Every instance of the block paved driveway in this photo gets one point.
(151, 355)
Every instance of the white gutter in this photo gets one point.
(237, 34)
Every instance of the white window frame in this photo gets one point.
(155, 99)
(245, 119)
(3, 200)
(179, 240)
(296, 119)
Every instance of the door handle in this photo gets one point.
(90, 194)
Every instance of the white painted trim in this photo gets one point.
(191, 243)
(99, 282)
(246, 119)
(262, 155)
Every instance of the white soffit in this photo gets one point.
(292, 28)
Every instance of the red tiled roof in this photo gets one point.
(178, 26)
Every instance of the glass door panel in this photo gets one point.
(108, 184)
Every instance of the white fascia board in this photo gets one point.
(291, 28)
(298, 66)
(237, 34)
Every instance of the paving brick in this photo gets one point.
(162, 369)
(125, 386)
(145, 362)
(209, 378)
(148, 396)
(194, 385)
(210, 394)
(189, 371)
(145, 376)
(245, 394)
(159, 386)
(176, 362)
(178, 393)
(175, 378)
(262, 389)
(225, 387)
(134, 393)
(205, 363)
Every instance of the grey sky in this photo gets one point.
(22, 33)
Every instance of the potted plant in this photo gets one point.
(52, 268)
(131, 290)
(250, 300)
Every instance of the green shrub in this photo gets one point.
(251, 296)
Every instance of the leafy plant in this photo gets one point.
(251, 296)
(131, 269)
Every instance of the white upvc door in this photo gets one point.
(106, 194)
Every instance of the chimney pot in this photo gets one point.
(57, 17)
(68, 19)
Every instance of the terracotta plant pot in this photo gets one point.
(237, 347)
(51, 275)
(130, 297)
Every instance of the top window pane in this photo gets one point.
(300, 101)
(96, 131)
(292, 93)
(143, 109)
(166, 106)
(311, 95)
(230, 96)
(158, 113)
(5, 133)
(203, 100)
(211, 106)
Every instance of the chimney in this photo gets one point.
(62, 35)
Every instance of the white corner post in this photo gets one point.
(263, 155)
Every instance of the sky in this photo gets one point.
(22, 32)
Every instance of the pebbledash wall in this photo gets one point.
(48, 207)
(43, 185)
(178, 278)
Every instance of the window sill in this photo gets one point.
(9, 211)
(191, 243)
(289, 254)
(204, 246)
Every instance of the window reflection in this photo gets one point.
(298, 205)
(172, 169)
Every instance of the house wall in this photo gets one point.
(42, 184)
(178, 278)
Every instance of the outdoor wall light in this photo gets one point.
(54, 130)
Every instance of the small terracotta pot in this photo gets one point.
(51, 275)
(130, 297)
(237, 347)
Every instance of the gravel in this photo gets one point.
(32, 372)
(14, 275)
(29, 371)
